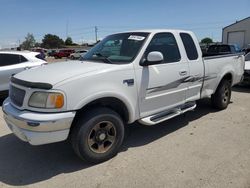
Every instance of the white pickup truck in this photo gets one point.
(147, 76)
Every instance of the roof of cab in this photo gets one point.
(157, 31)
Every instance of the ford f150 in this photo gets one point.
(148, 76)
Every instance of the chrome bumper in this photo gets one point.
(37, 128)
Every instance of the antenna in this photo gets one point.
(67, 29)
(96, 30)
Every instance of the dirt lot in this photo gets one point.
(53, 60)
(202, 148)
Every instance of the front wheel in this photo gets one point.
(221, 98)
(98, 135)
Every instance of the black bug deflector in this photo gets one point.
(37, 85)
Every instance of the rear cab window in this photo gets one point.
(189, 46)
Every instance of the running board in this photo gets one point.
(165, 115)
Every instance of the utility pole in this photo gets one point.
(67, 29)
(96, 30)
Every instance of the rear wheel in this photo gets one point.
(98, 135)
(221, 98)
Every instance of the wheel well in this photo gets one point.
(110, 102)
(228, 77)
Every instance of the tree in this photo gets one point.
(29, 42)
(37, 44)
(207, 40)
(68, 41)
(52, 41)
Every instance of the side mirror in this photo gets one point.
(153, 58)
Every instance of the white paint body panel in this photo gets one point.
(84, 82)
(247, 65)
(217, 68)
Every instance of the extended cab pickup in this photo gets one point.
(148, 76)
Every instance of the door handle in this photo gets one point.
(183, 73)
(26, 68)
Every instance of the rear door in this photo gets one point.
(196, 66)
(10, 64)
(163, 85)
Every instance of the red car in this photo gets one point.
(63, 53)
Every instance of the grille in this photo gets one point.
(17, 96)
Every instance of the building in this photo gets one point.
(237, 33)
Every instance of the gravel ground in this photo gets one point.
(53, 60)
(203, 148)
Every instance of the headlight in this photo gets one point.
(46, 100)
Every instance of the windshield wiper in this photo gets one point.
(103, 58)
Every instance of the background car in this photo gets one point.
(222, 49)
(51, 53)
(63, 53)
(82, 56)
(13, 62)
(246, 50)
(78, 54)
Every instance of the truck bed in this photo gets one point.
(216, 66)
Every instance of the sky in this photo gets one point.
(78, 18)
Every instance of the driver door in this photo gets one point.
(163, 85)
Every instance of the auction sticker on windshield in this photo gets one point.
(135, 37)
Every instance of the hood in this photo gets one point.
(247, 65)
(57, 72)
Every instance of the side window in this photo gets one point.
(22, 59)
(9, 59)
(189, 45)
(167, 45)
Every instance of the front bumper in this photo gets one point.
(37, 128)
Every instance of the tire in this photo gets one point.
(221, 98)
(98, 135)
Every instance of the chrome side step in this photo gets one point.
(165, 115)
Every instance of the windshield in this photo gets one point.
(117, 48)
